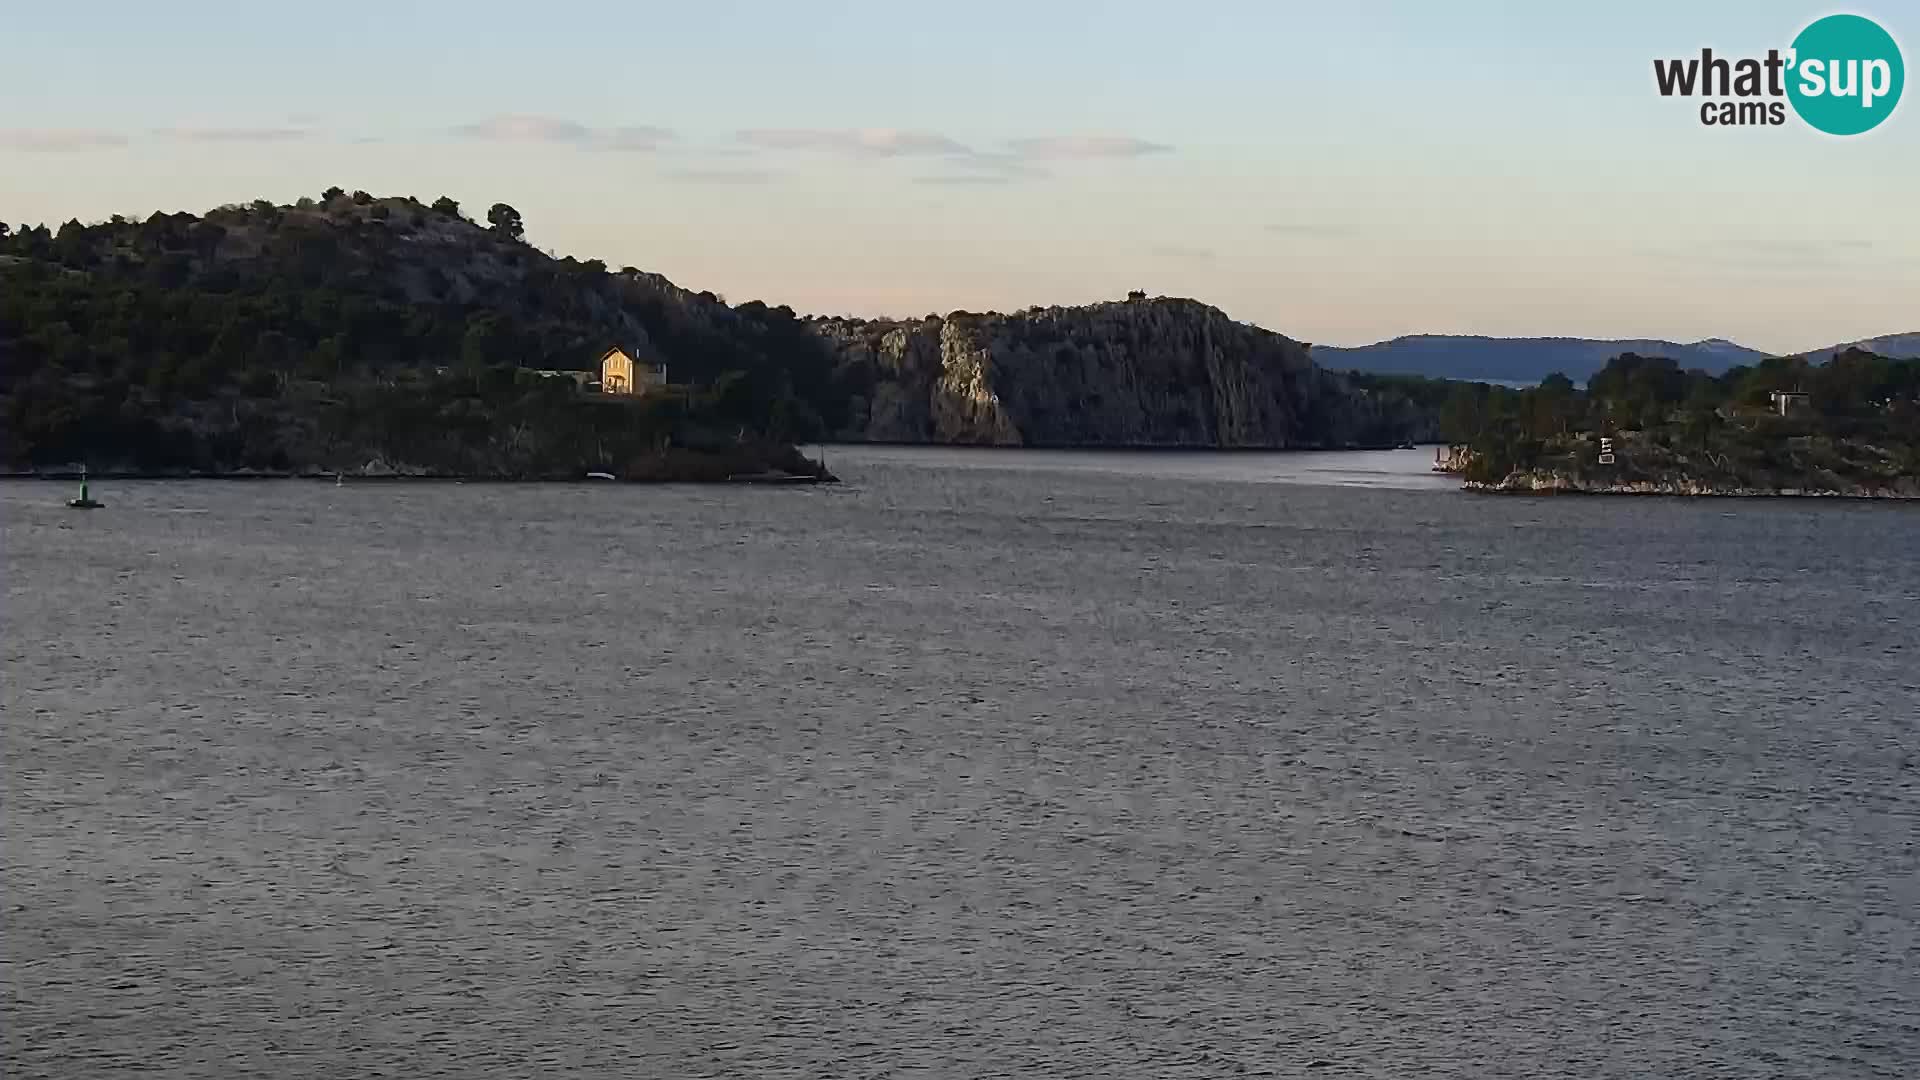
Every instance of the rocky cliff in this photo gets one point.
(1161, 372)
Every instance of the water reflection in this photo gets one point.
(1398, 469)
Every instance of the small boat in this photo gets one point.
(83, 501)
(600, 476)
(1407, 446)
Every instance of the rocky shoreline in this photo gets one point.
(1455, 461)
(1551, 483)
(709, 471)
(435, 478)
(1794, 467)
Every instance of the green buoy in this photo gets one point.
(83, 502)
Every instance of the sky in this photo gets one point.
(1340, 173)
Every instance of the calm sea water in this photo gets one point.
(980, 764)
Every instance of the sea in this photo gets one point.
(982, 763)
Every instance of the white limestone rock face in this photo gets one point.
(1164, 372)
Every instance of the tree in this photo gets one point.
(506, 221)
(444, 205)
(485, 344)
(73, 246)
(1774, 373)
(1551, 406)
(1464, 413)
(361, 198)
(1850, 383)
(1700, 416)
(331, 194)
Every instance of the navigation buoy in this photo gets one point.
(82, 501)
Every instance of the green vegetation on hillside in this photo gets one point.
(1857, 427)
(347, 330)
(1428, 395)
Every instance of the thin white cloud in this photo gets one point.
(643, 137)
(59, 140)
(519, 127)
(1015, 159)
(1777, 247)
(856, 142)
(528, 128)
(234, 134)
(1746, 262)
(1767, 256)
(1071, 147)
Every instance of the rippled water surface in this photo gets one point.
(980, 764)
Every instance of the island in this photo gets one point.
(348, 335)
(1784, 426)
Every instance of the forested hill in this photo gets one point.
(354, 332)
(133, 338)
(1849, 426)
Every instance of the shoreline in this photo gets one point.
(775, 477)
(1182, 448)
(73, 475)
(1673, 490)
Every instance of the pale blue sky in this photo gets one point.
(1338, 172)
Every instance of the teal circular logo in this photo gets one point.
(1846, 74)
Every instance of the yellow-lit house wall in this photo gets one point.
(620, 373)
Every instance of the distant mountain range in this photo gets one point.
(1902, 346)
(1528, 360)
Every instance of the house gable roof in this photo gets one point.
(638, 356)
